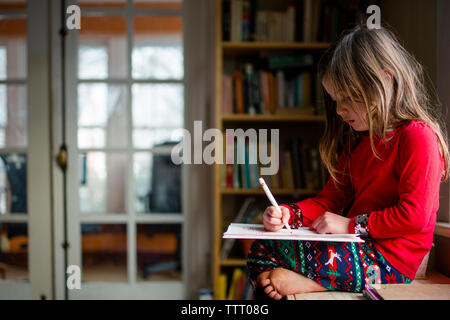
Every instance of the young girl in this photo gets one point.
(384, 185)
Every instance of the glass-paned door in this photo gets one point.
(127, 112)
(25, 247)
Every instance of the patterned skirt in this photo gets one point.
(343, 266)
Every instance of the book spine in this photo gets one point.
(245, 20)
(221, 287)
(229, 159)
(239, 92)
(236, 175)
(226, 27)
(299, 5)
(307, 21)
(272, 93)
(280, 89)
(290, 25)
(250, 89)
(227, 94)
(248, 184)
(265, 92)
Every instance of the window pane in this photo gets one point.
(13, 116)
(157, 183)
(91, 138)
(158, 49)
(13, 251)
(13, 183)
(158, 112)
(148, 138)
(102, 179)
(104, 252)
(93, 62)
(13, 48)
(158, 4)
(102, 49)
(102, 107)
(159, 252)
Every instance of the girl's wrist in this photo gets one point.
(360, 225)
(296, 215)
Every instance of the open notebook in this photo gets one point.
(256, 231)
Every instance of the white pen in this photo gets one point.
(272, 200)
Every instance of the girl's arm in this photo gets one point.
(420, 172)
(329, 199)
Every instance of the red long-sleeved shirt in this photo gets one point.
(400, 194)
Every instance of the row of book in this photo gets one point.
(250, 91)
(236, 288)
(299, 167)
(295, 20)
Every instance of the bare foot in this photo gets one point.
(264, 281)
(281, 282)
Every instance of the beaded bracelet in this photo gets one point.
(361, 223)
(299, 213)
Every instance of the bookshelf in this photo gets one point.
(294, 117)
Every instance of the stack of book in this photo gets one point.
(236, 288)
(293, 20)
(300, 167)
(288, 83)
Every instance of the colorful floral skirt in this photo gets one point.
(343, 266)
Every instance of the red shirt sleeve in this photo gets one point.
(330, 198)
(420, 168)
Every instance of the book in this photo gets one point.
(236, 20)
(408, 292)
(236, 169)
(221, 287)
(243, 212)
(229, 160)
(257, 231)
(238, 91)
(226, 14)
(227, 94)
(235, 280)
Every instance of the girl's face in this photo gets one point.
(354, 113)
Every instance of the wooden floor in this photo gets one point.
(432, 278)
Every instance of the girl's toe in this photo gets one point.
(268, 290)
(265, 282)
(278, 296)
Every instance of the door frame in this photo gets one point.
(39, 169)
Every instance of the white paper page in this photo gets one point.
(256, 231)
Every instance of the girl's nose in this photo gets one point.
(340, 110)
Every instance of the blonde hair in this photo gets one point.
(371, 66)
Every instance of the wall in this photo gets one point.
(198, 26)
(416, 24)
(443, 83)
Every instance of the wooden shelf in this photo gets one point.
(272, 118)
(227, 54)
(281, 192)
(233, 263)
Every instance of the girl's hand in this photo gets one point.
(330, 223)
(274, 220)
